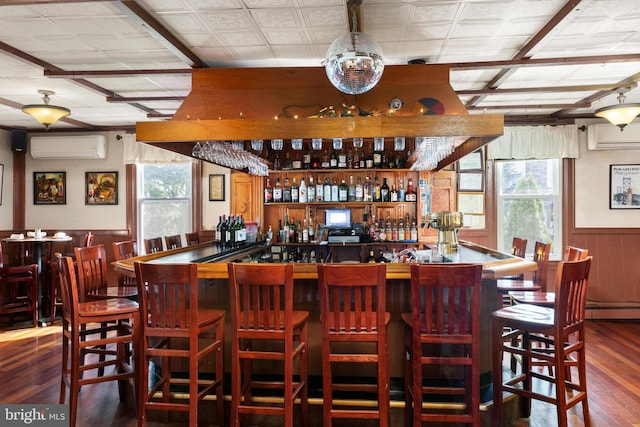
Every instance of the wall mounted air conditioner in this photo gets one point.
(69, 147)
(609, 137)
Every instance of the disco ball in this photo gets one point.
(354, 63)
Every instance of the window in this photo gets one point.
(164, 200)
(529, 203)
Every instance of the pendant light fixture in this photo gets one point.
(621, 114)
(354, 62)
(45, 113)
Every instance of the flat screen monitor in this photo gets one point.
(337, 218)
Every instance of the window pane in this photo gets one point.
(528, 177)
(530, 219)
(164, 218)
(166, 181)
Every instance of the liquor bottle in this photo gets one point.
(302, 192)
(410, 196)
(343, 192)
(223, 231)
(385, 195)
(286, 191)
(369, 160)
(356, 158)
(287, 165)
(368, 193)
(218, 229)
(276, 162)
(414, 231)
(376, 189)
(295, 191)
(305, 232)
(351, 194)
(401, 191)
(394, 231)
(350, 159)
(286, 230)
(342, 159)
(311, 190)
(377, 159)
(335, 191)
(312, 231)
(231, 232)
(387, 229)
(300, 233)
(333, 161)
(401, 231)
(293, 235)
(326, 190)
(268, 192)
(306, 158)
(359, 190)
(319, 190)
(393, 196)
(277, 192)
(371, 259)
(325, 162)
(279, 235)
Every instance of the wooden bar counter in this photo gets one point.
(212, 266)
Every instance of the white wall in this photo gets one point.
(592, 188)
(75, 215)
(212, 210)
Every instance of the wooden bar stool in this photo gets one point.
(541, 257)
(442, 334)
(192, 238)
(352, 310)
(265, 327)
(519, 328)
(177, 328)
(18, 289)
(123, 250)
(153, 245)
(173, 242)
(92, 275)
(80, 337)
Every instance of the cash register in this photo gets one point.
(338, 223)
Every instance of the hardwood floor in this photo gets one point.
(30, 369)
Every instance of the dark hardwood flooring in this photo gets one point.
(30, 368)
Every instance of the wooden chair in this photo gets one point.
(519, 247)
(542, 297)
(124, 250)
(173, 242)
(352, 310)
(517, 328)
(153, 245)
(442, 333)
(265, 327)
(92, 275)
(18, 289)
(177, 328)
(80, 337)
(541, 257)
(192, 238)
(88, 240)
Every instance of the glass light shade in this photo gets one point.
(46, 114)
(619, 115)
(354, 63)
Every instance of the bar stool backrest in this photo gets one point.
(92, 270)
(572, 253)
(571, 292)
(192, 238)
(541, 254)
(124, 250)
(153, 245)
(173, 242)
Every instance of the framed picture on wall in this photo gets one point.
(49, 188)
(471, 162)
(216, 187)
(471, 203)
(101, 188)
(471, 181)
(624, 187)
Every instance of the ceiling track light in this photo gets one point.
(620, 115)
(45, 113)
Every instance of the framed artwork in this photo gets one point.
(624, 187)
(472, 161)
(101, 188)
(471, 181)
(1, 181)
(49, 188)
(471, 203)
(216, 187)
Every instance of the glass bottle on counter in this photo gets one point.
(401, 231)
(305, 232)
(302, 192)
(368, 193)
(368, 163)
(411, 195)
(376, 189)
(351, 194)
(333, 161)
(277, 192)
(335, 191)
(356, 158)
(295, 191)
(311, 231)
(319, 190)
(394, 231)
(401, 191)
(414, 231)
(343, 192)
(279, 232)
(393, 196)
(217, 237)
(385, 195)
(268, 192)
(342, 159)
(359, 190)
(311, 191)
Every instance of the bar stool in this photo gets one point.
(18, 289)
(265, 327)
(177, 328)
(124, 250)
(80, 337)
(192, 238)
(442, 334)
(92, 275)
(352, 310)
(541, 257)
(173, 242)
(516, 329)
(153, 245)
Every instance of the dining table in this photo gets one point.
(38, 243)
